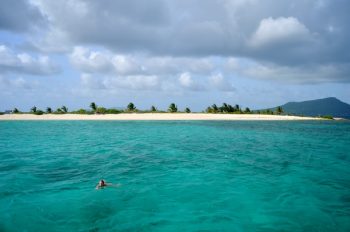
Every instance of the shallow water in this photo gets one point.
(190, 176)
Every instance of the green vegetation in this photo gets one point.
(39, 112)
(225, 108)
(33, 109)
(58, 111)
(153, 109)
(81, 111)
(326, 106)
(172, 108)
(247, 111)
(131, 107)
(113, 111)
(279, 110)
(101, 110)
(93, 106)
(64, 109)
(327, 117)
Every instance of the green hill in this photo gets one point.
(326, 106)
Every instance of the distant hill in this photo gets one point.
(326, 106)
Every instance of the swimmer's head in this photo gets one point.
(102, 182)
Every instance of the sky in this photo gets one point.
(194, 53)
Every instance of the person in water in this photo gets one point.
(102, 184)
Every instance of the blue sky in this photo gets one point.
(195, 53)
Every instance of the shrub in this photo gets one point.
(113, 111)
(80, 111)
(327, 117)
(101, 110)
(58, 111)
(39, 112)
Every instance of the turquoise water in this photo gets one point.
(189, 176)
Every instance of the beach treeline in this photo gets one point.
(131, 108)
(96, 109)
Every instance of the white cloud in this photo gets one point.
(280, 30)
(25, 63)
(90, 61)
(16, 83)
(138, 82)
(107, 62)
(220, 83)
(298, 74)
(132, 82)
(186, 81)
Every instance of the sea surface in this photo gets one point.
(175, 176)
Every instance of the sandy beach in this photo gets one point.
(153, 116)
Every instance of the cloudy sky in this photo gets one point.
(192, 52)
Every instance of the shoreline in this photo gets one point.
(155, 117)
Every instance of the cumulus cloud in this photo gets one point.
(280, 30)
(90, 61)
(186, 81)
(167, 38)
(25, 63)
(220, 83)
(132, 82)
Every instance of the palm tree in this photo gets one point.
(187, 110)
(131, 107)
(230, 109)
(153, 109)
(64, 109)
(237, 108)
(226, 108)
(247, 110)
(15, 111)
(172, 108)
(214, 108)
(33, 109)
(93, 106)
(48, 110)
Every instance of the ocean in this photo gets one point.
(175, 176)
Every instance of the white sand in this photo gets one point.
(153, 116)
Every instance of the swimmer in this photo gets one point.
(102, 184)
